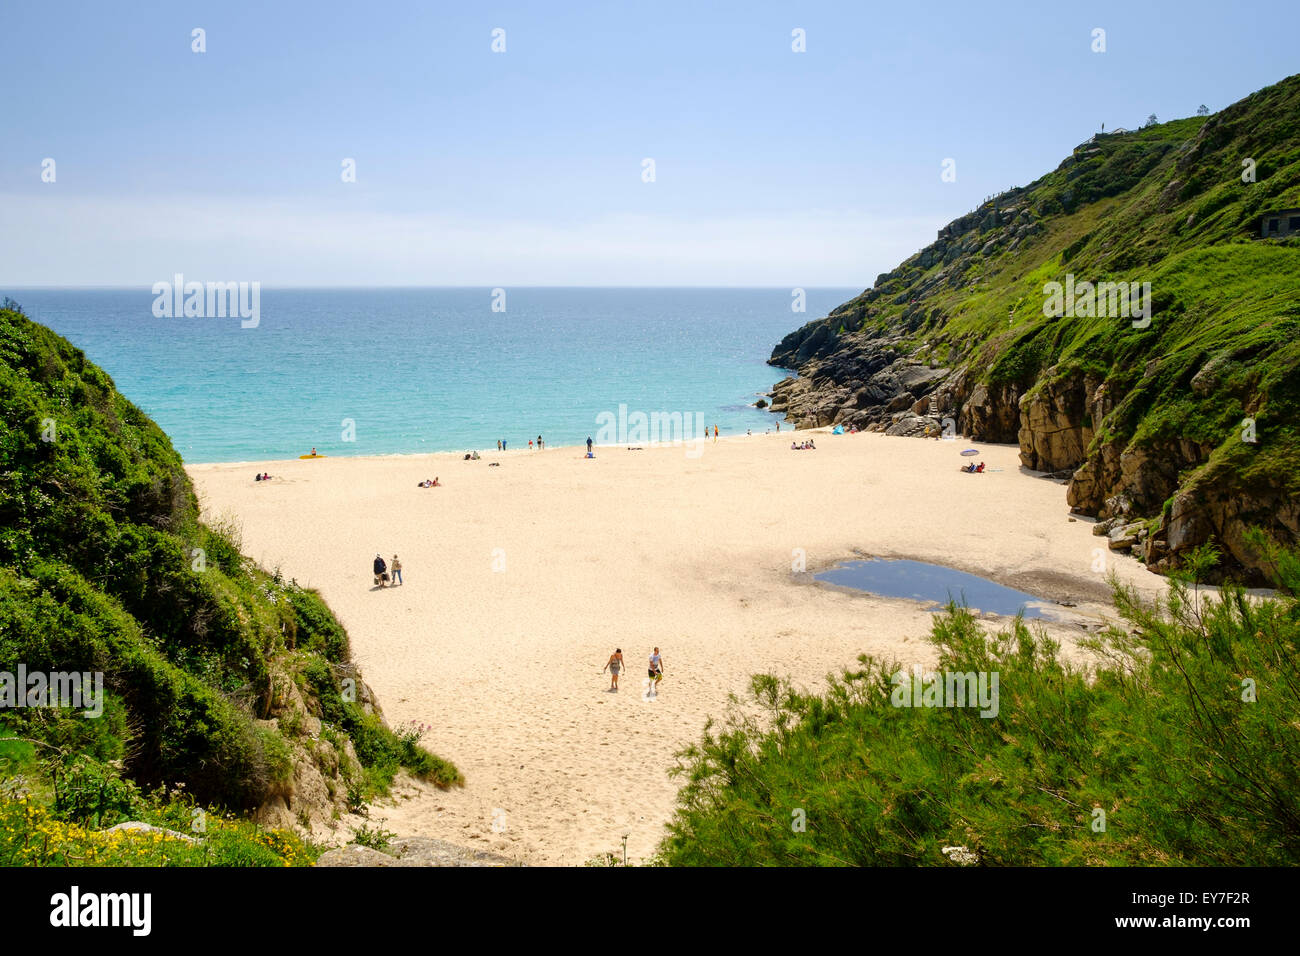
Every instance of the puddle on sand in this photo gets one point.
(933, 584)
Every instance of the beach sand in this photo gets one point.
(522, 579)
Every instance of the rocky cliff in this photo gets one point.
(1121, 318)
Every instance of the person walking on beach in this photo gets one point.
(498, 444)
(615, 664)
(539, 442)
(381, 570)
(530, 444)
(715, 434)
(588, 444)
(397, 571)
(656, 671)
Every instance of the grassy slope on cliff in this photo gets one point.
(105, 567)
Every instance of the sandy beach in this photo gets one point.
(520, 580)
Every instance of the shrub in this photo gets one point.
(1180, 746)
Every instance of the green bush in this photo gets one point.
(1181, 746)
(105, 568)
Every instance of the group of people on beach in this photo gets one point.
(501, 444)
(615, 665)
(262, 477)
(430, 483)
(385, 573)
(806, 446)
(973, 469)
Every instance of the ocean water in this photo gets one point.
(420, 370)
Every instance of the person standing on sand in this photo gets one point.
(381, 570)
(397, 571)
(588, 444)
(615, 664)
(530, 444)
(539, 442)
(656, 671)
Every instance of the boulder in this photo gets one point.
(1123, 537)
(1107, 526)
(355, 855)
(135, 826)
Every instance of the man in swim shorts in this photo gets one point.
(656, 670)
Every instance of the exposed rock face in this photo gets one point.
(314, 796)
(992, 413)
(1056, 422)
(1200, 514)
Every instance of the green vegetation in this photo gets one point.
(66, 825)
(376, 838)
(1179, 746)
(216, 674)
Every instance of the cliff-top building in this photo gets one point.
(1283, 222)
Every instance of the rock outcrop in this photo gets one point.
(412, 851)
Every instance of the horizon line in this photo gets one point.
(363, 288)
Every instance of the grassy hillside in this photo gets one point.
(220, 679)
(1150, 422)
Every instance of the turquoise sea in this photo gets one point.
(419, 370)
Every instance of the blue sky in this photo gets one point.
(525, 167)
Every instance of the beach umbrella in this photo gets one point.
(970, 451)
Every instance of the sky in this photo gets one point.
(527, 167)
